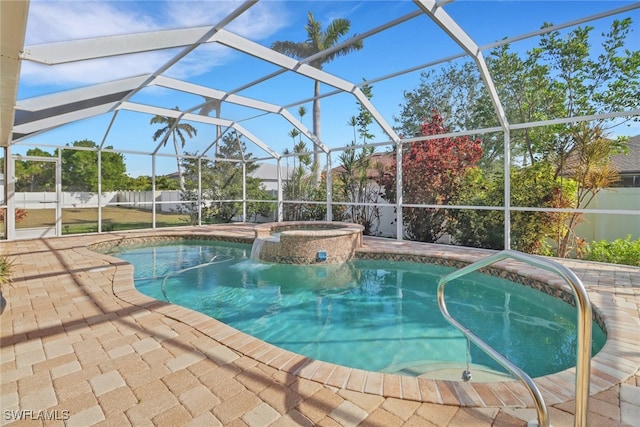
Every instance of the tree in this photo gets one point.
(298, 186)
(559, 78)
(293, 133)
(533, 185)
(433, 172)
(222, 181)
(457, 93)
(35, 176)
(171, 127)
(525, 91)
(608, 83)
(301, 186)
(589, 166)
(355, 180)
(80, 168)
(144, 183)
(317, 41)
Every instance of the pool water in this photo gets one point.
(374, 315)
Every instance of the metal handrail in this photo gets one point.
(583, 305)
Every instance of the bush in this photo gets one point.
(619, 251)
(6, 268)
(20, 215)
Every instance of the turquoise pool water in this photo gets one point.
(374, 315)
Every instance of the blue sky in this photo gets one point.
(415, 42)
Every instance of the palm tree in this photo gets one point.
(293, 134)
(353, 122)
(177, 131)
(302, 110)
(317, 41)
(286, 152)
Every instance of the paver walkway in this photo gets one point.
(74, 353)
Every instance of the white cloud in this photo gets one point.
(259, 21)
(204, 59)
(53, 21)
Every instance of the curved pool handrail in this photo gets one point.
(583, 364)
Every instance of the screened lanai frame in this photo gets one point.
(41, 114)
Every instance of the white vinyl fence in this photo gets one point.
(166, 200)
(596, 227)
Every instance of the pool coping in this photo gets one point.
(616, 362)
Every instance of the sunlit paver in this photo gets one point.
(78, 342)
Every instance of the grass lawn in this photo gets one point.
(85, 220)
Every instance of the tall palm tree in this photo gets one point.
(178, 131)
(317, 41)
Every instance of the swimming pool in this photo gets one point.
(373, 315)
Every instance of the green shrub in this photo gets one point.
(6, 267)
(619, 251)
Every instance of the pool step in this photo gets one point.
(450, 371)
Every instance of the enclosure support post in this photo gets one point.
(59, 193)
(244, 191)
(279, 215)
(199, 200)
(399, 224)
(153, 191)
(329, 189)
(507, 190)
(99, 191)
(10, 194)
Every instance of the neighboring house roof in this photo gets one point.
(265, 171)
(625, 163)
(630, 162)
(384, 160)
(269, 172)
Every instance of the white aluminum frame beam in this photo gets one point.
(161, 111)
(254, 49)
(190, 48)
(126, 85)
(462, 54)
(91, 98)
(204, 91)
(54, 53)
(81, 94)
(101, 47)
(76, 51)
(62, 119)
(108, 46)
(451, 27)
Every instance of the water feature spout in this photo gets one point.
(306, 242)
(258, 243)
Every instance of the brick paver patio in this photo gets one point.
(80, 346)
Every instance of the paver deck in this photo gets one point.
(80, 346)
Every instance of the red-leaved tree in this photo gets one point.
(432, 173)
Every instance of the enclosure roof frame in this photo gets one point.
(40, 114)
